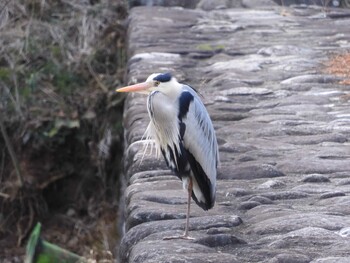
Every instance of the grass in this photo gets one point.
(49, 43)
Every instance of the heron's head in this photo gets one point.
(162, 82)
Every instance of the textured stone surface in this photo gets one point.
(283, 191)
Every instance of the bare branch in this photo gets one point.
(11, 151)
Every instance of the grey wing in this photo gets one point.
(199, 140)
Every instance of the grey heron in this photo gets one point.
(183, 132)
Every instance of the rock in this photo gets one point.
(344, 232)
(167, 227)
(308, 236)
(290, 258)
(287, 223)
(208, 5)
(254, 4)
(282, 50)
(331, 194)
(272, 184)
(243, 91)
(285, 195)
(237, 192)
(316, 178)
(344, 182)
(219, 240)
(248, 205)
(331, 260)
(176, 251)
(311, 79)
(338, 204)
(312, 188)
(218, 230)
(261, 199)
(247, 172)
(182, 3)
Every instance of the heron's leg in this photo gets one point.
(189, 192)
(185, 235)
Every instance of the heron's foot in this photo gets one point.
(186, 237)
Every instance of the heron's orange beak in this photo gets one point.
(141, 87)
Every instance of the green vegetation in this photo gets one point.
(210, 47)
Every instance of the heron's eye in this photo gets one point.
(156, 83)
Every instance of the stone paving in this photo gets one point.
(283, 126)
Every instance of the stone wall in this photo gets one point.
(283, 126)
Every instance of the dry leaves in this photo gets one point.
(339, 65)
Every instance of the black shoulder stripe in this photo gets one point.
(182, 130)
(184, 103)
